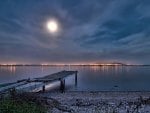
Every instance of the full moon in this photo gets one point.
(52, 26)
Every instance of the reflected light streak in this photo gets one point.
(12, 69)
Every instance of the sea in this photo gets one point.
(89, 78)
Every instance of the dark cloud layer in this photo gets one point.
(90, 31)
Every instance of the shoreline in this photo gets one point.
(75, 91)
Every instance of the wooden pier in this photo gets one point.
(59, 76)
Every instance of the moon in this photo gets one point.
(52, 26)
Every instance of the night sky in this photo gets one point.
(90, 31)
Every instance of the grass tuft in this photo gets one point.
(8, 105)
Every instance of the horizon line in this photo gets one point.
(103, 64)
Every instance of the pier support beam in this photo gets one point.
(13, 92)
(43, 88)
(62, 85)
(76, 78)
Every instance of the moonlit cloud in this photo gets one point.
(91, 31)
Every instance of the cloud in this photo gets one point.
(90, 31)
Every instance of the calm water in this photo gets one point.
(90, 78)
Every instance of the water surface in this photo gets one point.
(90, 78)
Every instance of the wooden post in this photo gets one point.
(43, 88)
(62, 85)
(76, 78)
(13, 93)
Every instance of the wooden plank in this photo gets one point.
(30, 86)
(43, 80)
(12, 83)
(55, 76)
(4, 89)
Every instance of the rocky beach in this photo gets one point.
(97, 102)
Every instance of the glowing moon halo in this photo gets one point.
(52, 26)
